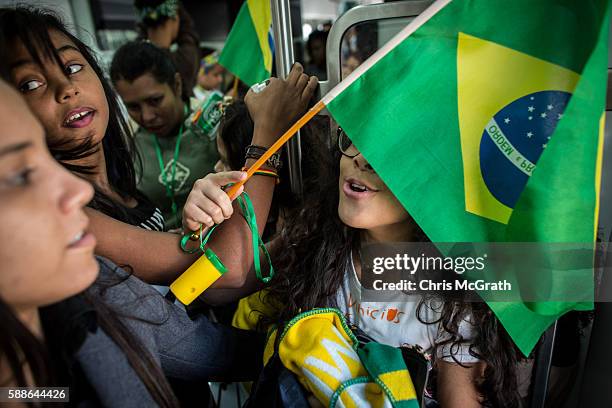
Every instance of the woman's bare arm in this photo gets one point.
(154, 257)
(273, 111)
(217, 295)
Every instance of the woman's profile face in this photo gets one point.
(46, 254)
(211, 79)
(68, 99)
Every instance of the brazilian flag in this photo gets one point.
(249, 48)
(487, 124)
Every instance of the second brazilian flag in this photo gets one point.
(249, 48)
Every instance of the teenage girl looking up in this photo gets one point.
(59, 77)
(173, 155)
(317, 264)
(65, 87)
(108, 341)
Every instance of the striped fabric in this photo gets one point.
(155, 222)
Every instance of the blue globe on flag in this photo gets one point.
(514, 139)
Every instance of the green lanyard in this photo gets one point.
(248, 212)
(169, 184)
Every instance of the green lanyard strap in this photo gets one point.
(169, 184)
(248, 212)
(203, 241)
(246, 206)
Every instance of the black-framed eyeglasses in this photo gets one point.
(346, 146)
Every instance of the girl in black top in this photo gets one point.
(67, 91)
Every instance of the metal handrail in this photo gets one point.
(281, 27)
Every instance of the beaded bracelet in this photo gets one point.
(267, 173)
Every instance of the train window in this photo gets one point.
(362, 30)
(363, 39)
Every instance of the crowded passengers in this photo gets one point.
(93, 214)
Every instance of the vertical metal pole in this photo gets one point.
(84, 23)
(283, 51)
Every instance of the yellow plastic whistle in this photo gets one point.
(200, 275)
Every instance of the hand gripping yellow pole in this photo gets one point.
(208, 268)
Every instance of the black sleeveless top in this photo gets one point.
(145, 215)
(149, 215)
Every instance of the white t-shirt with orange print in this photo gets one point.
(395, 323)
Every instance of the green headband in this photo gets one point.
(168, 8)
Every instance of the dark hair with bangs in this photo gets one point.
(30, 26)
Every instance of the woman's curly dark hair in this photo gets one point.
(317, 248)
(491, 344)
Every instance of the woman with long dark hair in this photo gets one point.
(475, 359)
(317, 264)
(105, 337)
(66, 89)
(93, 137)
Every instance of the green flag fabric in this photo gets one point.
(487, 124)
(249, 48)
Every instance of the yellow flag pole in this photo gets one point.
(318, 107)
(235, 87)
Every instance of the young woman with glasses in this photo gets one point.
(317, 264)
